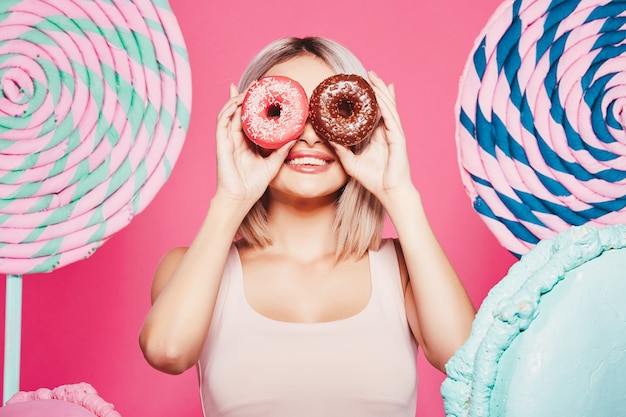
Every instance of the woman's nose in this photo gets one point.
(309, 136)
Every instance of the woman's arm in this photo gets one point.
(187, 281)
(438, 307)
(184, 292)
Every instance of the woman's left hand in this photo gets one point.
(383, 166)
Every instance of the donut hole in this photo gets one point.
(273, 111)
(345, 108)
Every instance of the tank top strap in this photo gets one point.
(386, 280)
(230, 288)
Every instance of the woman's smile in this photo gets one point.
(309, 161)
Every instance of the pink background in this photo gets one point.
(81, 322)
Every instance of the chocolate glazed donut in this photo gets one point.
(343, 109)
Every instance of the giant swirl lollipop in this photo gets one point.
(95, 99)
(542, 118)
(94, 106)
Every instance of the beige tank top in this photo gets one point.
(364, 365)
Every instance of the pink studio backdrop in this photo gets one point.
(80, 323)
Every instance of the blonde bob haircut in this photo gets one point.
(359, 218)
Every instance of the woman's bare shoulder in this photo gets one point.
(166, 267)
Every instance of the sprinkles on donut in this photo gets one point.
(274, 111)
(343, 109)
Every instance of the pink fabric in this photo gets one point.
(364, 365)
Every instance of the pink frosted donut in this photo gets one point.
(274, 111)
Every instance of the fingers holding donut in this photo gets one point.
(383, 164)
(225, 117)
(235, 125)
(243, 173)
(387, 103)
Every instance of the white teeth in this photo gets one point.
(308, 161)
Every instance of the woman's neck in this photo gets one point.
(303, 230)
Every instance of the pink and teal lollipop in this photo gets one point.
(95, 101)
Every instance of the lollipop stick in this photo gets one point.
(12, 336)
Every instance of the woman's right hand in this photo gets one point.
(243, 173)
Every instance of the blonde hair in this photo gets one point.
(359, 218)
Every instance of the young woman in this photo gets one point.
(289, 301)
